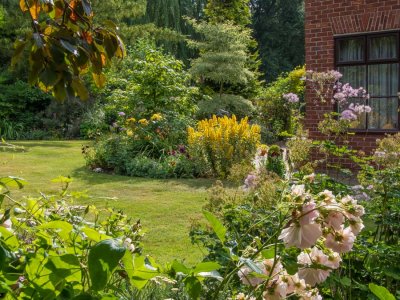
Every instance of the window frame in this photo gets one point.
(367, 62)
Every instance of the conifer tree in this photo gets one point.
(223, 54)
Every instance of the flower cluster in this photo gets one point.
(344, 92)
(291, 98)
(279, 284)
(323, 226)
(222, 141)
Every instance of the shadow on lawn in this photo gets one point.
(89, 177)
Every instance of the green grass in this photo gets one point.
(165, 207)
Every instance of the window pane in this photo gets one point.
(361, 122)
(383, 80)
(350, 50)
(355, 75)
(384, 114)
(384, 47)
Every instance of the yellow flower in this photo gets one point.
(130, 120)
(156, 117)
(129, 132)
(143, 122)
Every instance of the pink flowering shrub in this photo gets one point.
(323, 227)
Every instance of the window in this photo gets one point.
(372, 61)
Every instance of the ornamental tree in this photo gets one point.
(223, 54)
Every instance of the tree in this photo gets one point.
(279, 29)
(64, 44)
(235, 11)
(223, 54)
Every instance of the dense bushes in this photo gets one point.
(275, 111)
(225, 104)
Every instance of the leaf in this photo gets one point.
(49, 77)
(38, 40)
(268, 253)
(206, 267)
(143, 272)
(22, 5)
(216, 225)
(62, 228)
(248, 262)
(59, 91)
(62, 179)
(381, 292)
(80, 89)
(102, 261)
(95, 235)
(19, 47)
(212, 274)
(71, 48)
(11, 181)
(99, 79)
(179, 267)
(193, 287)
(87, 8)
(34, 9)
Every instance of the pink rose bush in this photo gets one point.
(323, 226)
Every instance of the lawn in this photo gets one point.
(165, 207)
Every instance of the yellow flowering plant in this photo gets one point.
(220, 142)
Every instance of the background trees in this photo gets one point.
(279, 30)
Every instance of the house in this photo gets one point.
(359, 38)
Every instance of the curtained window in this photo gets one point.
(372, 61)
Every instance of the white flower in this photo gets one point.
(276, 292)
(311, 272)
(298, 190)
(308, 213)
(272, 273)
(309, 178)
(335, 219)
(328, 197)
(341, 241)
(356, 225)
(334, 260)
(302, 237)
(247, 278)
(311, 295)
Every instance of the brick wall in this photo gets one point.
(326, 18)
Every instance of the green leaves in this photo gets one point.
(103, 259)
(381, 292)
(216, 225)
(61, 45)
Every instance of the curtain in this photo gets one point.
(383, 83)
(382, 47)
(351, 50)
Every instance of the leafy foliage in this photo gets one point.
(225, 104)
(65, 44)
(223, 54)
(236, 11)
(275, 111)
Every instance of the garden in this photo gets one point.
(158, 150)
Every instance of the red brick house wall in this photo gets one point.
(326, 19)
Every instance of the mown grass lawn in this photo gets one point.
(165, 207)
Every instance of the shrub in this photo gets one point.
(225, 104)
(220, 142)
(275, 110)
(54, 249)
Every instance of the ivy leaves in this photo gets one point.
(65, 44)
